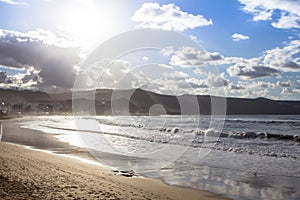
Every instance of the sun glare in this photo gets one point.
(88, 23)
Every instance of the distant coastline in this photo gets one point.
(26, 102)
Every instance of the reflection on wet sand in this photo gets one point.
(234, 184)
(1, 131)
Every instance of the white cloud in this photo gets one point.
(178, 83)
(251, 72)
(287, 21)
(283, 83)
(120, 74)
(264, 10)
(193, 37)
(13, 2)
(28, 80)
(197, 83)
(286, 91)
(168, 17)
(43, 36)
(285, 58)
(260, 85)
(236, 87)
(164, 66)
(263, 15)
(251, 89)
(297, 84)
(173, 82)
(107, 74)
(33, 50)
(272, 63)
(256, 93)
(239, 37)
(214, 80)
(188, 57)
(176, 75)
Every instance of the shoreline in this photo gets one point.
(68, 154)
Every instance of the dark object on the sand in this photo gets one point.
(127, 173)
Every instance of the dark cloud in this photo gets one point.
(189, 56)
(291, 65)
(252, 72)
(55, 64)
(236, 87)
(31, 77)
(201, 85)
(3, 77)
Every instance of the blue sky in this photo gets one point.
(252, 45)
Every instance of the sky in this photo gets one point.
(248, 48)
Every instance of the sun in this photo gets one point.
(88, 22)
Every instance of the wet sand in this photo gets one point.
(29, 174)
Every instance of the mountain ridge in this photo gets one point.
(139, 102)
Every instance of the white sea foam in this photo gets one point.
(269, 147)
(139, 137)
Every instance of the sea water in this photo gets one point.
(241, 157)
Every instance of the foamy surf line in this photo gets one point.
(75, 152)
(84, 160)
(13, 132)
(229, 150)
(73, 137)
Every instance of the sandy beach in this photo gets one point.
(26, 173)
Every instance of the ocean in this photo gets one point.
(239, 156)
